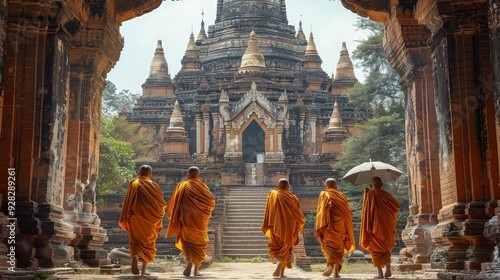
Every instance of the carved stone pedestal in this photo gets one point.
(461, 244)
(492, 232)
(417, 238)
(51, 244)
(89, 239)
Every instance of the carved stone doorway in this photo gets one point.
(253, 143)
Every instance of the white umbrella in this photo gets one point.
(363, 173)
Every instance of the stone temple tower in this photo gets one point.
(251, 91)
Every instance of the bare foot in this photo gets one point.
(282, 273)
(277, 271)
(388, 272)
(328, 271)
(187, 271)
(197, 271)
(135, 265)
(146, 273)
(336, 270)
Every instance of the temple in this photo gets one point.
(251, 104)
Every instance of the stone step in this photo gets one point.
(231, 240)
(238, 228)
(228, 225)
(238, 220)
(243, 234)
(245, 246)
(246, 200)
(246, 256)
(240, 252)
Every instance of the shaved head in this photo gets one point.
(193, 172)
(377, 182)
(145, 170)
(283, 184)
(330, 183)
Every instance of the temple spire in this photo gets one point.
(191, 49)
(159, 66)
(202, 35)
(300, 32)
(311, 46)
(176, 120)
(345, 68)
(335, 119)
(253, 59)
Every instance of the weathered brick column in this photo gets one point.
(463, 100)
(34, 124)
(94, 51)
(492, 228)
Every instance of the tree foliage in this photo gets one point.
(121, 144)
(382, 138)
(116, 160)
(113, 102)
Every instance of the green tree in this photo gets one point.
(113, 102)
(116, 160)
(381, 138)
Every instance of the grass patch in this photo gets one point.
(226, 259)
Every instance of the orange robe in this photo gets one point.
(142, 214)
(189, 211)
(334, 228)
(283, 222)
(378, 225)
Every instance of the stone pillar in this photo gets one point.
(271, 141)
(206, 130)
(198, 119)
(280, 139)
(312, 123)
(462, 102)
(34, 124)
(492, 228)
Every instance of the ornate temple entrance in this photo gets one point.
(253, 143)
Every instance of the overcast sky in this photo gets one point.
(172, 22)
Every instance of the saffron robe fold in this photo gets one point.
(282, 224)
(142, 213)
(378, 225)
(334, 228)
(189, 211)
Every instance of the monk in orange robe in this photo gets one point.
(142, 214)
(378, 225)
(283, 222)
(189, 211)
(334, 228)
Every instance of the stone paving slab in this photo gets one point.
(259, 271)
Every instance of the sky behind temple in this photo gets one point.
(173, 21)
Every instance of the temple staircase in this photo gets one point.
(242, 235)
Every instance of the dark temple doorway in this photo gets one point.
(253, 143)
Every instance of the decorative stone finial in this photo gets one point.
(300, 32)
(345, 68)
(223, 97)
(191, 50)
(159, 66)
(176, 120)
(283, 97)
(202, 35)
(335, 118)
(253, 59)
(311, 46)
